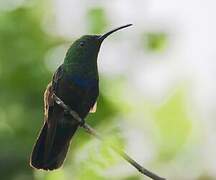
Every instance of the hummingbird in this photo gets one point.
(76, 83)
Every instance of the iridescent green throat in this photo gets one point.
(88, 70)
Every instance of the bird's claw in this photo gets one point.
(66, 112)
(82, 122)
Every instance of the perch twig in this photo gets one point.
(94, 133)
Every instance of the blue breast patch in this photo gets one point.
(83, 82)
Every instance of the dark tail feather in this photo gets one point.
(57, 154)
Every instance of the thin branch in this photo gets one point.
(94, 133)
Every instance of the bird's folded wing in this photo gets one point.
(48, 100)
(51, 115)
(48, 94)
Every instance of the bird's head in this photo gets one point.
(86, 48)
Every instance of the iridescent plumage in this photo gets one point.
(76, 83)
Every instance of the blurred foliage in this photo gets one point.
(97, 20)
(205, 177)
(155, 41)
(96, 157)
(174, 125)
(24, 76)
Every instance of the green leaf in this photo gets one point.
(155, 41)
(174, 125)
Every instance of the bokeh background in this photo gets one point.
(157, 97)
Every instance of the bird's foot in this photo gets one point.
(81, 121)
(66, 112)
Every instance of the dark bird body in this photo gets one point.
(76, 83)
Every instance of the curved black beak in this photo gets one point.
(101, 38)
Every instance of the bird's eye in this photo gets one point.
(82, 43)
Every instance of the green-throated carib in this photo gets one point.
(76, 83)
